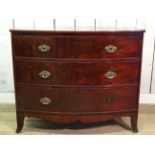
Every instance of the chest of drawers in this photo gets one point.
(66, 76)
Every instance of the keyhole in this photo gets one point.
(45, 102)
(110, 49)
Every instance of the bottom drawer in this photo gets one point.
(76, 99)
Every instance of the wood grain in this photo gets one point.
(73, 47)
(81, 100)
(77, 88)
(77, 73)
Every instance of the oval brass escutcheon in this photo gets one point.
(44, 48)
(45, 101)
(111, 49)
(44, 74)
(110, 74)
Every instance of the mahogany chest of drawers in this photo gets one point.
(67, 76)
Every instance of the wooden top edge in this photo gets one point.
(95, 31)
(66, 32)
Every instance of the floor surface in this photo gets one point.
(33, 126)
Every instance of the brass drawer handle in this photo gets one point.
(44, 74)
(44, 48)
(45, 101)
(111, 49)
(110, 74)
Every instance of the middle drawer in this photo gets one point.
(77, 73)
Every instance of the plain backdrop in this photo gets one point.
(61, 9)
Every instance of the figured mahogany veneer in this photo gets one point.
(77, 73)
(76, 47)
(78, 100)
(77, 76)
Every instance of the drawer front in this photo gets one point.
(77, 73)
(71, 47)
(34, 46)
(77, 99)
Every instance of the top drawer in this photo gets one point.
(77, 47)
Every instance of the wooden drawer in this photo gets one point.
(34, 46)
(77, 47)
(77, 99)
(77, 73)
